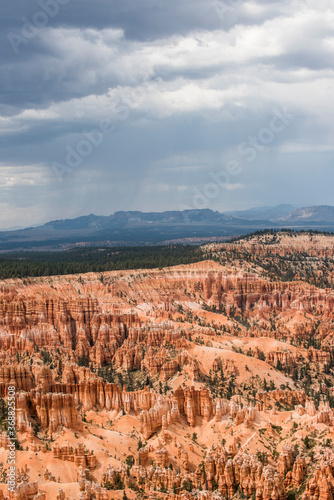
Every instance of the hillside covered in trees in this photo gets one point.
(84, 260)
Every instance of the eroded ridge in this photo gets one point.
(212, 380)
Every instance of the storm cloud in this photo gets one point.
(139, 104)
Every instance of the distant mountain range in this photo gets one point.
(264, 213)
(139, 228)
(321, 214)
(121, 219)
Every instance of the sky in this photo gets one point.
(157, 105)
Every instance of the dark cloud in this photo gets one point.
(144, 20)
(183, 82)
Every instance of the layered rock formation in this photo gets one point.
(202, 381)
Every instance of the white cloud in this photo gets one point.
(203, 70)
(217, 85)
(20, 176)
(234, 186)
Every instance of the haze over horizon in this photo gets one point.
(193, 104)
(13, 228)
(261, 214)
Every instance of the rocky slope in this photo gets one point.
(202, 381)
(284, 256)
